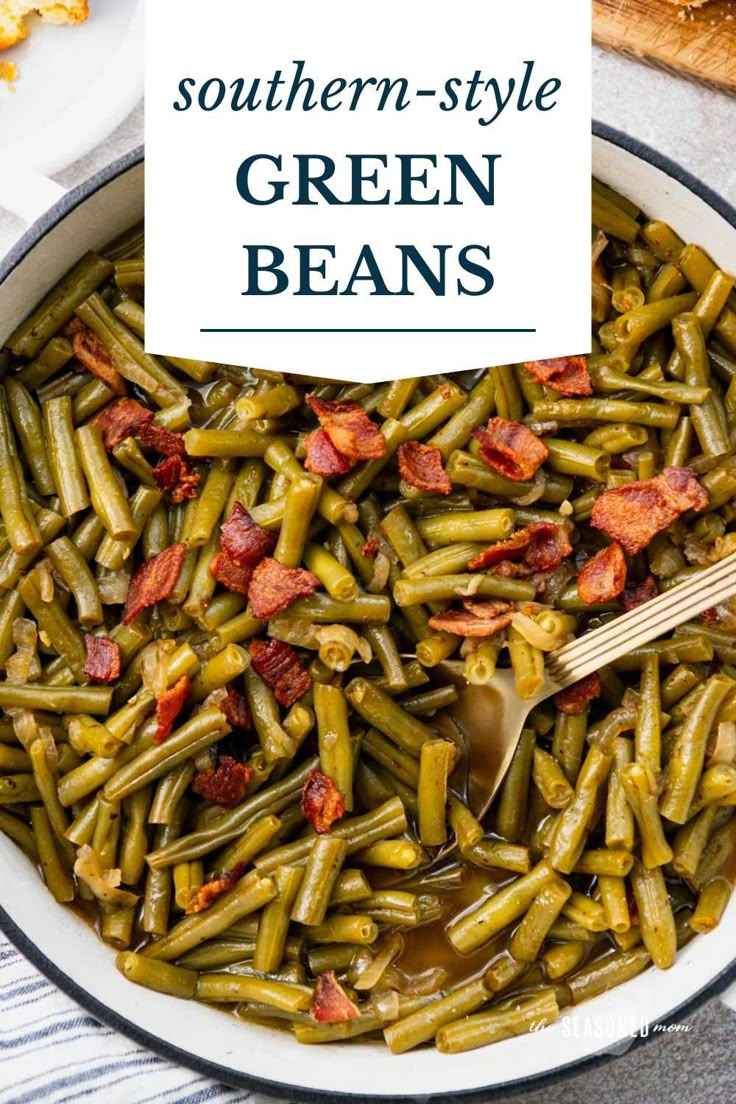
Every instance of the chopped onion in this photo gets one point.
(384, 1004)
(724, 749)
(25, 726)
(600, 241)
(155, 666)
(113, 587)
(372, 972)
(533, 633)
(293, 630)
(338, 644)
(539, 484)
(472, 587)
(381, 569)
(45, 581)
(24, 664)
(103, 883)
(418, 985)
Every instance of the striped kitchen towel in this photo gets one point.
(51, 1050)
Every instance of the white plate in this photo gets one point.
(76, 85)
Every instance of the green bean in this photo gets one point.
(686, 760)
(230, 824)
(162, 977)
(336, 579)
(28, 424)
(324, 610)
(430, 588)
(223, 443)
(602, 974)
(377, 708)
(57, 625)
(257, 835)
(249, 894)
(20, 526)
(58, 307)
(421, 1026)
(188, 740)
(66, 465)
(478, 926)
(324, 863)
(335, 747)
(656, 920)
(383, 822)
(301, 502)
(75, 573)
(657, 415)
(550, 780)
(53, 868)
(690, 345)
(574, 822)
(712, 901)
(498, 855)
(476, 410)
(128, 354)
(434, 409)
(274, 924)
(227, 988)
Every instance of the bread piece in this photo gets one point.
(13, 13)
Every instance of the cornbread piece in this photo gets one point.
(13, 14)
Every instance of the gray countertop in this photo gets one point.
(696, 127)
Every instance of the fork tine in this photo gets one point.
(643, 624)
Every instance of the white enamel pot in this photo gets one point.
(69, 953)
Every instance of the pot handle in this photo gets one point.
(729, 998)
(28, 193)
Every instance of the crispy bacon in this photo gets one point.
(103, 658)
(120, 419)
(511, 449)
(168, 707)
(92, 355)
(226, 784)
(421, 466)
(278, 665)
(603, 577)
(635, 513)
(479, 617)
(243, 540)
(709, 616)
(273, 587)
(370, 548)
(231, 574)
(210, 891)
(568, 375)
(542, 546)
(576, 697)
(235, 707)
(639, 593)
(160, 439)
(322, 803)
(349, 428)
(175, 479)
(331, 1003)
(322, 456)
(154, 580)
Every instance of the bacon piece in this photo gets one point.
(273, 587)
(175, 479)
(603, 577)
(278, 665)
(226, 784)
(511, 449)
(92, 355)
(154, 580)
(231, 574)
(243, 540)
(370, 548)
(120, 419)
(168, 707)
(709, 616)
(166, 441)
(349, 428)
(331, 1003)
(422, 467)
(639, 593)
(568, 375)
(322, 456)
(542, 546)
(103, 658)
(322, 803)
(635, 513)
(479, 617)
(235, 707)
(575, 698)
(510, 570)
(210, 891)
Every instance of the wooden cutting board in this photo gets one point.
(700, 43)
